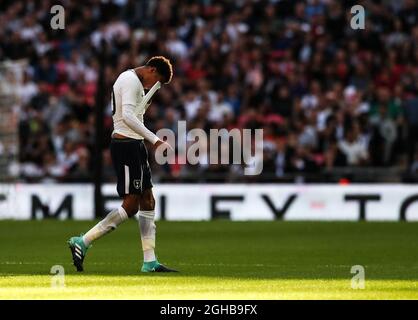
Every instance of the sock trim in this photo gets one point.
(149, 256)
(85, 241)
(147, 213)
(122, 213)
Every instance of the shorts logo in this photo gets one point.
(137, 184)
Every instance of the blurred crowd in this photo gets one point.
(326, 95)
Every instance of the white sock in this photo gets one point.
(148, 228)
(108, 224)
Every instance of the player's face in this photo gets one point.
(153, 77)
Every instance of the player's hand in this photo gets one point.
(164, 144)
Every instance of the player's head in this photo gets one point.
(159, 68)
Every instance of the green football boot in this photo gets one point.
(155, 266)
(78, 251)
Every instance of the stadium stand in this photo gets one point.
(336, 104)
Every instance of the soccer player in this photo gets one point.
(130, 160)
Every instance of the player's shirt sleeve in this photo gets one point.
(128, 115)
(129, 94)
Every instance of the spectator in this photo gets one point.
(353, 148)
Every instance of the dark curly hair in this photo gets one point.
(163, 66)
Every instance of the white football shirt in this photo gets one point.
(128, 115)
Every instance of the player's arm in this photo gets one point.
(129, 116)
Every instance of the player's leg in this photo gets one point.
(147, 227)
(113, 219)
(110, 222)
(125, 156)
(146, 217)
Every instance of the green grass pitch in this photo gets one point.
(217, 260)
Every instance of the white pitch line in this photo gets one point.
(21, 262)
